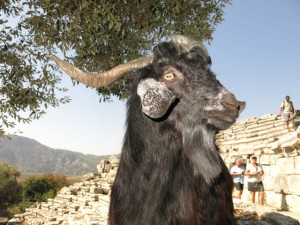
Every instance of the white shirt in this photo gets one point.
(254, 178)
(236, 169)
(288, 106)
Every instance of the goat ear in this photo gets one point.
(198, 52)
(156, 98)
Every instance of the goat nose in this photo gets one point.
(230, 102)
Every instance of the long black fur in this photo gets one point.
(170, 171)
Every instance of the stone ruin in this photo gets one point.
(277, 149)
(83, 203)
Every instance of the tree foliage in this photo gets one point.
(34, 188)
(56, 181)
(28, 83)
(94, 35)
(15, 197)
(9, 188)
(37, 189)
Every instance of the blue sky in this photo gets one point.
(255, 54)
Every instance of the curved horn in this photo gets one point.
(97, 80)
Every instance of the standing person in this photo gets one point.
(255, 172)
(287, 109)
(237, 172)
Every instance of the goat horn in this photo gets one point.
(97, 80)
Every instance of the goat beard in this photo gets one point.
(201, 150)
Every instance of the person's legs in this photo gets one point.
(239, 190)
(287, 119)
(240, 194)
(290, 118)
(251, 189)
(252, 196)
(261, 197)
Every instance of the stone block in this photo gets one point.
(93, 183)
(106, 188)
(96, 190)
(65, 190)
(99, 168)
(257, 152)
(274, 171)
(85, 189)
(74, 207)
(50, 200)
(93, 197)
(265, 159)
(273, 199)
(286, 165)
(293, 203)
(59, 201)
(104, 199)
(268, 182)
(281, 184)
(297, 165)
(13, 221)
(267, 169)
(291, 152)
(88, 176)
(64, 197)
(51, 219)
(75, 188)
(82, 201)
(103, 211)
(45, 206)
(87, 183)
(294, 184)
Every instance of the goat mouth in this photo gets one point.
(226, 116)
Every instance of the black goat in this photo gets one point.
(170, 171)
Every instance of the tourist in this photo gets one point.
(237, 172)
(255, 172)
(287, 109)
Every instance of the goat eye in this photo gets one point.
(169, 76)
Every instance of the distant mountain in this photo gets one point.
(30, 156)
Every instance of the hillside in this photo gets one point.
(30, 156)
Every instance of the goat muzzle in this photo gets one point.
(229, 101)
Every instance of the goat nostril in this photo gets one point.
(241, 106)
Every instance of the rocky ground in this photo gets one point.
(252, 214)
(94, 212)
